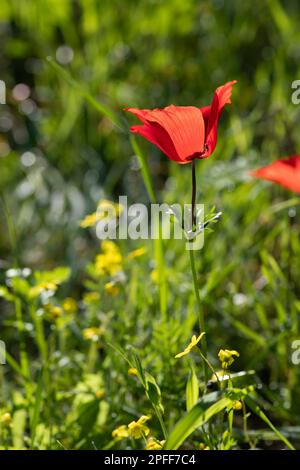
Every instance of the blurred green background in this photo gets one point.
(59, 156)
(131, 53)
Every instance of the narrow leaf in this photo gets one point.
(37, 407)
(258, 411)
(203, 411)
(192, 390)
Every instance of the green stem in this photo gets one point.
(161, 421)
(144, 169)
(23, 354)
(194, 191)
(211, 368)
(194, 274)
(200, 311)
(40, 334)
(11, 231)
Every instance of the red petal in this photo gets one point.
(159, 137)
(211, 115)
(285, 172)
(177, 130)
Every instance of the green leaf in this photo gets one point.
(20, 286)
(19, 420)
(4, 292)
(121, 352)
(14, 365)
(203, 411)
(215, 278)
(57, 275)
(153, 390)
(192, 390)
(87, 416)
(245, 330)
(259, 412)
(139, 368)
(19, 428)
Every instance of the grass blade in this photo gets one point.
(37, 408)
(258, 411)
(86, 95)
(202, 412)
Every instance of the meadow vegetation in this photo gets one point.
(92, 329)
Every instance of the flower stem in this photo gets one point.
(194, 191)
(194, 274)
(161, 421)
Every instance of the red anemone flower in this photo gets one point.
(285, 172)
(184, 132)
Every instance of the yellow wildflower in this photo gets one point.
(91, 297)
(106, 206)
(93, 333)
(108, 264)
(111, 289)
(54, 311)
(193, 343)
(237, 405)
(110, 260)
(108, 246)
(99, 394)
(6, 419)
(42, 286)
(136, 253)
(105, 209)
(154, 276)
(154, 444)
(47, 285)
(132, 371)
(120, 433)
(90, 220)
(69, 305)
(226, 357)
(138, 429)
(203, 446)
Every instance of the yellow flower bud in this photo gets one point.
(237, 405)
(153, 444)
(226, 357)
(6, 419)
(120, 433)
(93, 333)
(138, 429)
(111, 289)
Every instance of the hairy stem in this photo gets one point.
(194, 274)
